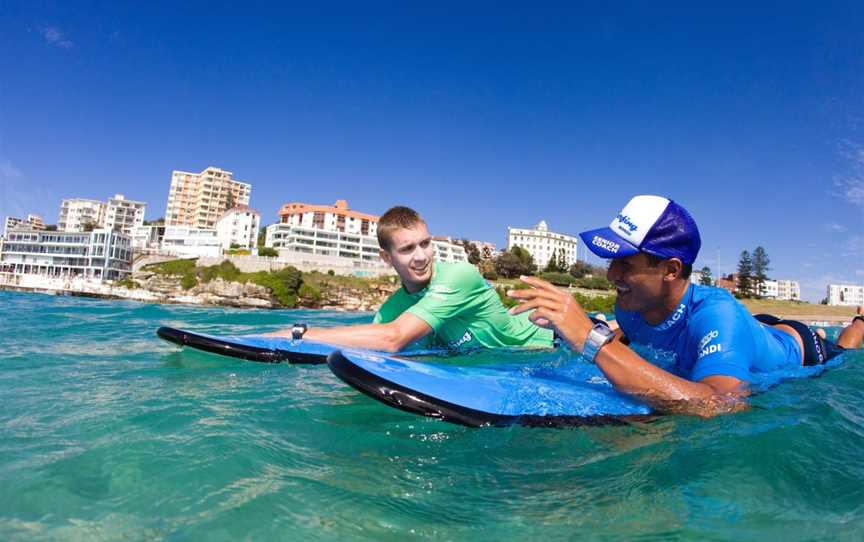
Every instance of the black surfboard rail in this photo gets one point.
(408, 400)
(246, 352)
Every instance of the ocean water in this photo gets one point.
(108, 433)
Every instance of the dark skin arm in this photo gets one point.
(626, 370)
(389, 337)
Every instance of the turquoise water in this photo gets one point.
(108, 433)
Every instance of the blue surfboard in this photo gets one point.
(573, 394)
(262, 349)
(477, 396)
(251, 347)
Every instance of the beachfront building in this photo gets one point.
(32, 222)
(446, 250)
(845, 294)
(123, 214)
(78, 213)
(299, 240)
(334, 218)
(542, 243)
(789, 290)
(198, 200)
(337, 235)
(186, 242)
(147, 238)
(99, 254)
(238, 226)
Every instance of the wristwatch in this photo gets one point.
(298, 330)
(599, 336)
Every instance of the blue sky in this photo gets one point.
(479, 114)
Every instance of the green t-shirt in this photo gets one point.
(463, 312)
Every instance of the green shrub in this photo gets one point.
(291, 277)
(268, 252)
(226, 271)
(490, 275)
(172, 267)
(558, 279)
(604, 303)
(285, 297)
(309, 294)
(127, 283)
(188, 281)
(594, 283)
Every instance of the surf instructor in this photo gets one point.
(715, 343)
(440, 304)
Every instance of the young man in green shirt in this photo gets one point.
(440, 304)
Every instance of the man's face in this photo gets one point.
(640, 286)
(411, 255)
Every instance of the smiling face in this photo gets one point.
(650, 289)
(411, 254)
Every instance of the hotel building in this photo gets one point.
(335, 231)
(187, 242)
(124, 215)
(99, 254)
(118, 213)
(199, 199)
(541, 243)
(32, 222)
(239, 226)
(845, 294)
(75, 213)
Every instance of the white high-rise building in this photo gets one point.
(542, 243)
(239, 226)
(845, 294)
(788, 290)
(199, 199)
(76, 213)
(124, 215)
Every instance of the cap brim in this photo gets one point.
(607, 244)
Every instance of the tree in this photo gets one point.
(552, 264)
(158, 222)
(525, 257)
(705, 277)
(510, 265)
(760, 270)
(580, 269)
(472, 251)
(268, 252)
(262, 236)
(562, 261)
(745, 275)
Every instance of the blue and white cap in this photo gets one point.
(650, 224)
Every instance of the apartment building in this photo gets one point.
(845, 294)
(239, 226)
(32, 222)
(198, 200)
(188, 242)
(76, 213)
(336, 231)
(98, 254)
(124, 215)
(541, 243)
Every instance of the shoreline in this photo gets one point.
(829, 316)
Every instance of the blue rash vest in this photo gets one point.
(710, 334)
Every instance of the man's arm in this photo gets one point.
(390, 337)
(624, 368)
